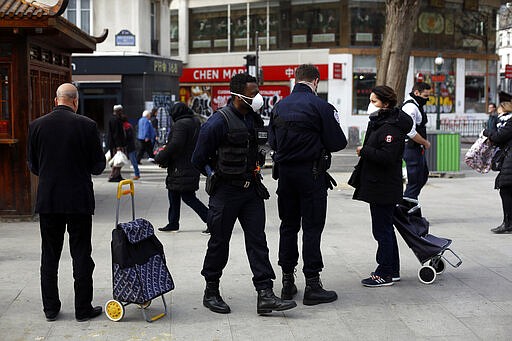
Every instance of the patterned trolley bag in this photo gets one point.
(139, 269)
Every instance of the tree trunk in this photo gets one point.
(401, 17)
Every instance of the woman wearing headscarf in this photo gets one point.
(502, 137)
(182, 177)
(380, 182)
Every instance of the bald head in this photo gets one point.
(67, 94)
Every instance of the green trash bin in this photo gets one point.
(444, 153)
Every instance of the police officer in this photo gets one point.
(227, 144)
(414, 153)
(304, 130)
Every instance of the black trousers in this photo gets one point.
(384, 233)
(79, 227)
(226, 205)
(506, 203)
(417, 170)
(188, 198)
(145, 147)
(302, 198)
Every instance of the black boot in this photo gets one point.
(505, 227)
(498, 227)
(212, 299)
(289, 287)
(267, 302)
(316, 294)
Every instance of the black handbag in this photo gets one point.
(355, 178)
(498, 158)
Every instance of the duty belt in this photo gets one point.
(240, 183)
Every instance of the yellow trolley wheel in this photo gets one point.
(114, 310)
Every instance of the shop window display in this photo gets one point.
(424, 69)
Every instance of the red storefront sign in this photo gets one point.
(508, 71)
(337, 71)
(438, 78)
(224, 74)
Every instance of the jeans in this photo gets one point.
(417, 170)
(135, 164)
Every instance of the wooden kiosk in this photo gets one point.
(35, 58)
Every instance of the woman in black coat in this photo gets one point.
(381, 178)
(182, 177)
(503, 139)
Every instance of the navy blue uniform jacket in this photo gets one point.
(211, 136)
(317, 123)
(64, 149)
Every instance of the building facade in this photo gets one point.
(133, 66)
(341, 37)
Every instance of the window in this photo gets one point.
(209, 29)
(174, 33)
(79, 13)
(424, 67)
(474, 99)
(154, 32)
(367, 20)
(365, 72)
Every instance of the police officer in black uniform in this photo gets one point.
(227, 151)
(304, 130)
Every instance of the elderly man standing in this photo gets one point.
(146, 136)
(64, 149)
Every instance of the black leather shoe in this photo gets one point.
(314, 293)
(497, 228)
(51, 315)
(212, 299)
(96, 311)
(289, 287)
(268, 301)
(169, 229)
(502, 229)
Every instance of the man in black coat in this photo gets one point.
(64, 149)
(182, 177)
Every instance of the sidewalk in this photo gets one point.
(472, 302)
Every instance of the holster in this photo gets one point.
(211, 183)
(322, 164)
(275, 171)
(260, 188)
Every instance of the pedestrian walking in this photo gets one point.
(502, 138)
(116, 140)
(131, 150)
(303, 131)
(417, 143)
(380, 178)
(146, 136)
(64, 149)
(182, 180)
(227, 144)
(492, 121)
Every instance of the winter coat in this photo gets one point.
(381, 157)
(182, 176)
(503, 139)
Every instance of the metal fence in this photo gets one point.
(466, 128)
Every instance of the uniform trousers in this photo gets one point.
(302, 198)
(226, 205)
(53, 228)
(417, 170)
(383, 231)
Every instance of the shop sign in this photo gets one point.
(438, 78)
(508, 71)
(125, 38)
(224, 74)
(337, 71)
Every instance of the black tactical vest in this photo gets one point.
(422, 127)
(237, 154)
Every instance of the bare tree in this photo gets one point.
(401, 17)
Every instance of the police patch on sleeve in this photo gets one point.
(336, 117)
(389, 138)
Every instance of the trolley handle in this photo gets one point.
(121, 192)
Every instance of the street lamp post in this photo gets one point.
(439, 61)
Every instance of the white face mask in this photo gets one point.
(372, 108)
(257, 101)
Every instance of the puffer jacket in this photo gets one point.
(381, 157)
(503, 139)
(182, 176)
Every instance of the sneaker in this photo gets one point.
(150, 159)
(377, 281)
(206, 232)
(395, 278)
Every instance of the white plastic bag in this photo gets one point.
(120, 159)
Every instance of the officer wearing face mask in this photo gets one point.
(303, 131)
(414, 153)
(227, 152)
